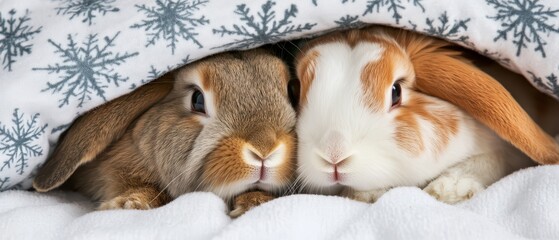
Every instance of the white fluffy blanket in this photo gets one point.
(522, 205)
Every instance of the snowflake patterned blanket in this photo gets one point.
(61, 58)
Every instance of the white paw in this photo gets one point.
(367, 196)
(452, 189)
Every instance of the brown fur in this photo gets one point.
(247, 201)
(169, 151)
(225, 159)
(103, 125)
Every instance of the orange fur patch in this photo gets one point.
(487, 101)
(225, 164)
(206, 76)
(305, 72)
(440, 73)
(377, 78)
(286, 171)
(408, 134)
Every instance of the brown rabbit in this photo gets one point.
(224, 125)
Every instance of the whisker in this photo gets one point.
(202, 182)
(286, 50)
(293, 187)
(295, 45)
(167, 186)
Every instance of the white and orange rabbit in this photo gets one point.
(381, 108)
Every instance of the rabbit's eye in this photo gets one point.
(198, 102)
(396, 94)
(293, 92)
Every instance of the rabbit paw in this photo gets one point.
(247, 201)
(452, 189)
(366, 196)
(132, 201)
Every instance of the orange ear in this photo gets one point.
(94, 131)
(440, 73)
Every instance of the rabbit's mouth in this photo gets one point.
(263, 179)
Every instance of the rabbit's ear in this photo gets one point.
(94, 131)
(441, 73)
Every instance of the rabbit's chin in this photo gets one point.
(231, 190)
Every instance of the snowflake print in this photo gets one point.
(497, 56)
(15, 34)
(18, 142)
(60, 128)
(526, 21)
(85, 8)
(447, 30)
(348, 21)
(172, 21)
(266, 29)
(393, 6)
(552, 84)
(4, 183)
(315, 2)
(84, 68)
(152, 74)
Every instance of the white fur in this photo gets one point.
(336, 125)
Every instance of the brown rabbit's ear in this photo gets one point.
(441, 73)
(94, 131)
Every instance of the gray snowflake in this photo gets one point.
(497, 56)
(526, 20)
(552, 85)
(263, 30)
(60, 128)
(172, 20)
(15, 34)
(85, 8)
(4, 183)
(18, 141)
(315, 2)
(348, 21)
(446, 30)
(153, 73)
(85, 69)
(183, 62)
(393, 6)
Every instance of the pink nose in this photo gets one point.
(334, 147)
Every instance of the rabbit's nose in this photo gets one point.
(334, 148)
(257, 158)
